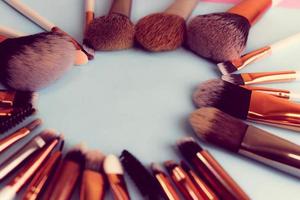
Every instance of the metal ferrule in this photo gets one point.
(7, 98)
(269, 77)
(281, 93)
(118, 186)
(271, 150)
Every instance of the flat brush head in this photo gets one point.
(94, 160)
(218, 128)
(227, 67)
(188, 147)
(76, 154)
(235, 79)
(161, 32)
(111, 32)
(223, 95)
(218, 37)
(33, 62)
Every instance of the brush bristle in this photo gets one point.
(94, 160)
(161, 32)
(111, 32)
(235, 79)
(156, 168)
(170, 164)
(226, 67)
(112, 165)
(140, 175)
(48, 135)
(223, 95)
(218, 37)
(188, 147)
(218, 128)
(22, 98)
(76, 154)
(33, 62)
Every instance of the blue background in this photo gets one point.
(140, 101)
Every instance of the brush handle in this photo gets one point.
(9, 32)
(92, 186)
(269, 77)
(293, 39)
(89, 13)
(183, 8)
(31, 14)
(251, 9)
(121, 7)
(271, 150)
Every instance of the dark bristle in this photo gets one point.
(223, 95)
(23, 98)
(218, 128)
(142, 178)
(156, 168)
(235, 79)
(185, 166)
(226, 67)
(161, 32)
(170, 164)
(94, 160)
(76, 154)
(219, 36)
(111, 32)
(188, 147)
(48, 135)
(16, 118)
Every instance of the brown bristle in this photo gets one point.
(235, 79)
(94, 160)
(111, 32)
(218, 37)
(216, 127)
(161, 32)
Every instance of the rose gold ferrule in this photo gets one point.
(118, 186)
(7, 97)
(89, 17)
(275, 111)
(121, 7)
(11, 139)
(284, 94)
(4, 112)
(251, 9)
(271, 150)
(269, 77)
(167, 187)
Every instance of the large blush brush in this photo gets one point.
(115, 31)
(167, 30)
(223, 36)
(82, 55)
(225, 131)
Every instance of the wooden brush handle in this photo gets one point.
(182, 8)
(89, 13)
(31, 14)
(122, 7)
(92, 186)
(251, 9)
(10, 33)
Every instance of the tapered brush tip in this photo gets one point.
(156, 168)
(219, 128)
(161, 32)
(112, 165)
(111, 32)
(170, 164)
(48, 135)
(94, 160)
(235, 79)
(218, 37)
(226, 67)
(188, 147)
(76, 154)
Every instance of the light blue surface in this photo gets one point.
(140, 101)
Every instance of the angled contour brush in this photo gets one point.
(82, 55)
(223, 36)
(247, 104)
(167, 30)
(231, 66)
(225, 131)
(114, 31)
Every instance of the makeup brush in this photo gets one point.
(43, 175)
(168, 189)
(114, 31)
(225, 131)
(231, 66)
(62, 185)
(17, 98)
(115, 176)
(142, 178)
(18, 135)
(93, 182)
(246, 104)
(82, 55)
(10, 190)
(223, 36)
(210, 170)
(18, 115)
(89, 8)
(34, 145)
(182, 181)
(165, 31)
(7, 32)
(202, 187)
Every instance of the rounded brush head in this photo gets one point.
(33, 62)
(111, 32)
(218, 37)
(161, 32)
(112, 165)
(94, 160)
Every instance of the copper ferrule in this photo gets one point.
(269, 77)
(184, 183)
(167, 187)
(271, 150)
(89, 17)
(40, 179)
(31, 167)
(12, 138)
(251, 9)
(274, 111)
(118, 186)
(7, 98)
(281, 93)
(121, 7)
